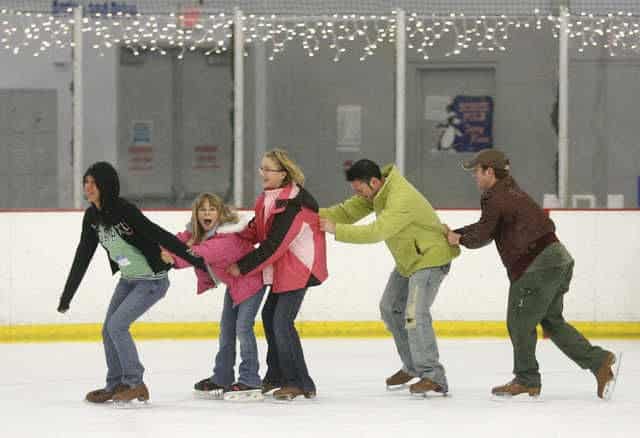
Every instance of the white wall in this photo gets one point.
(39, 247)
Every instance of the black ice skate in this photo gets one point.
(207, 389)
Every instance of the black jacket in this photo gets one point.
(129, 223)
(137, 230)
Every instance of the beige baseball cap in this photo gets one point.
(488, 157)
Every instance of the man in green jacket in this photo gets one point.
(409, 226)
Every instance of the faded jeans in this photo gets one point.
(406, 311)
(237, 322)
(130, 300)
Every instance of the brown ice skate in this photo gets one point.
(291, 392)
(139, 392)
(514, 388)
(398, 379)
(424, 386)
(605, 374)
(103, 396)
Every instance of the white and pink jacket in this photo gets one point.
(292, 252)
(219, 251)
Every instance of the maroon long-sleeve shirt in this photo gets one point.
(519, 226)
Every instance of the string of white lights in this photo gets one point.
(192, 29)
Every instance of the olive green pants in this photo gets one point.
(536, 298)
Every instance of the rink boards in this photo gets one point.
(39, 248)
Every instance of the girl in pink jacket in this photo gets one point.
(212, 235)
(291, 257)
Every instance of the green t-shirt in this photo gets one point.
(133, 265)
(552, 256)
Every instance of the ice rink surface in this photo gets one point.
(42, 387)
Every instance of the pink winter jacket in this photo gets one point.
(292, 245)
(219, 251)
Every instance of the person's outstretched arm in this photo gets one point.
(482, 232)
(347, 212)
(84, 253)
(164, 238)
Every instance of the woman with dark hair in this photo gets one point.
(133, 244)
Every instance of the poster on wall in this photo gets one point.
(205, 157)
(465, 123)
(141, 147)
(349, 121)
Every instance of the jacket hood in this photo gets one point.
(108, 183)
(228, 228)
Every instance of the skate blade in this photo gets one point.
(216, 394)
(290, 398)
(610, 387)
(132, 404)
(394, 388)
(430, 395)
(244, 396)
(520, 398)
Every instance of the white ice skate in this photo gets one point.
(610, 387)
(242, 392)
(248, 395)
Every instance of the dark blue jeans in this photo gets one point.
(285, 359)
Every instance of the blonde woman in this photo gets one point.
(212, 235)
(292, 258)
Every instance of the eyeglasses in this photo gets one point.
(267, 170)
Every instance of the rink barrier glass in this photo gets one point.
(307, 329)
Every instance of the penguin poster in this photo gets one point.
(468, 125)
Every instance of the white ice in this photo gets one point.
(42, 387)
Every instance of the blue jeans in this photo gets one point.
(237, 321)
(130, 300)
(285, 358)
(406, 311)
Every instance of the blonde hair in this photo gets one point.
(225, 214)
(294, 173)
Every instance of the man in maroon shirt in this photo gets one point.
(539, 269)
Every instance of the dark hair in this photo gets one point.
(499, 173)
(107, 181)
(363, 170)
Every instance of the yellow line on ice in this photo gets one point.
(307, 329)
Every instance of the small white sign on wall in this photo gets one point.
(435, 108)
(349, 119)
